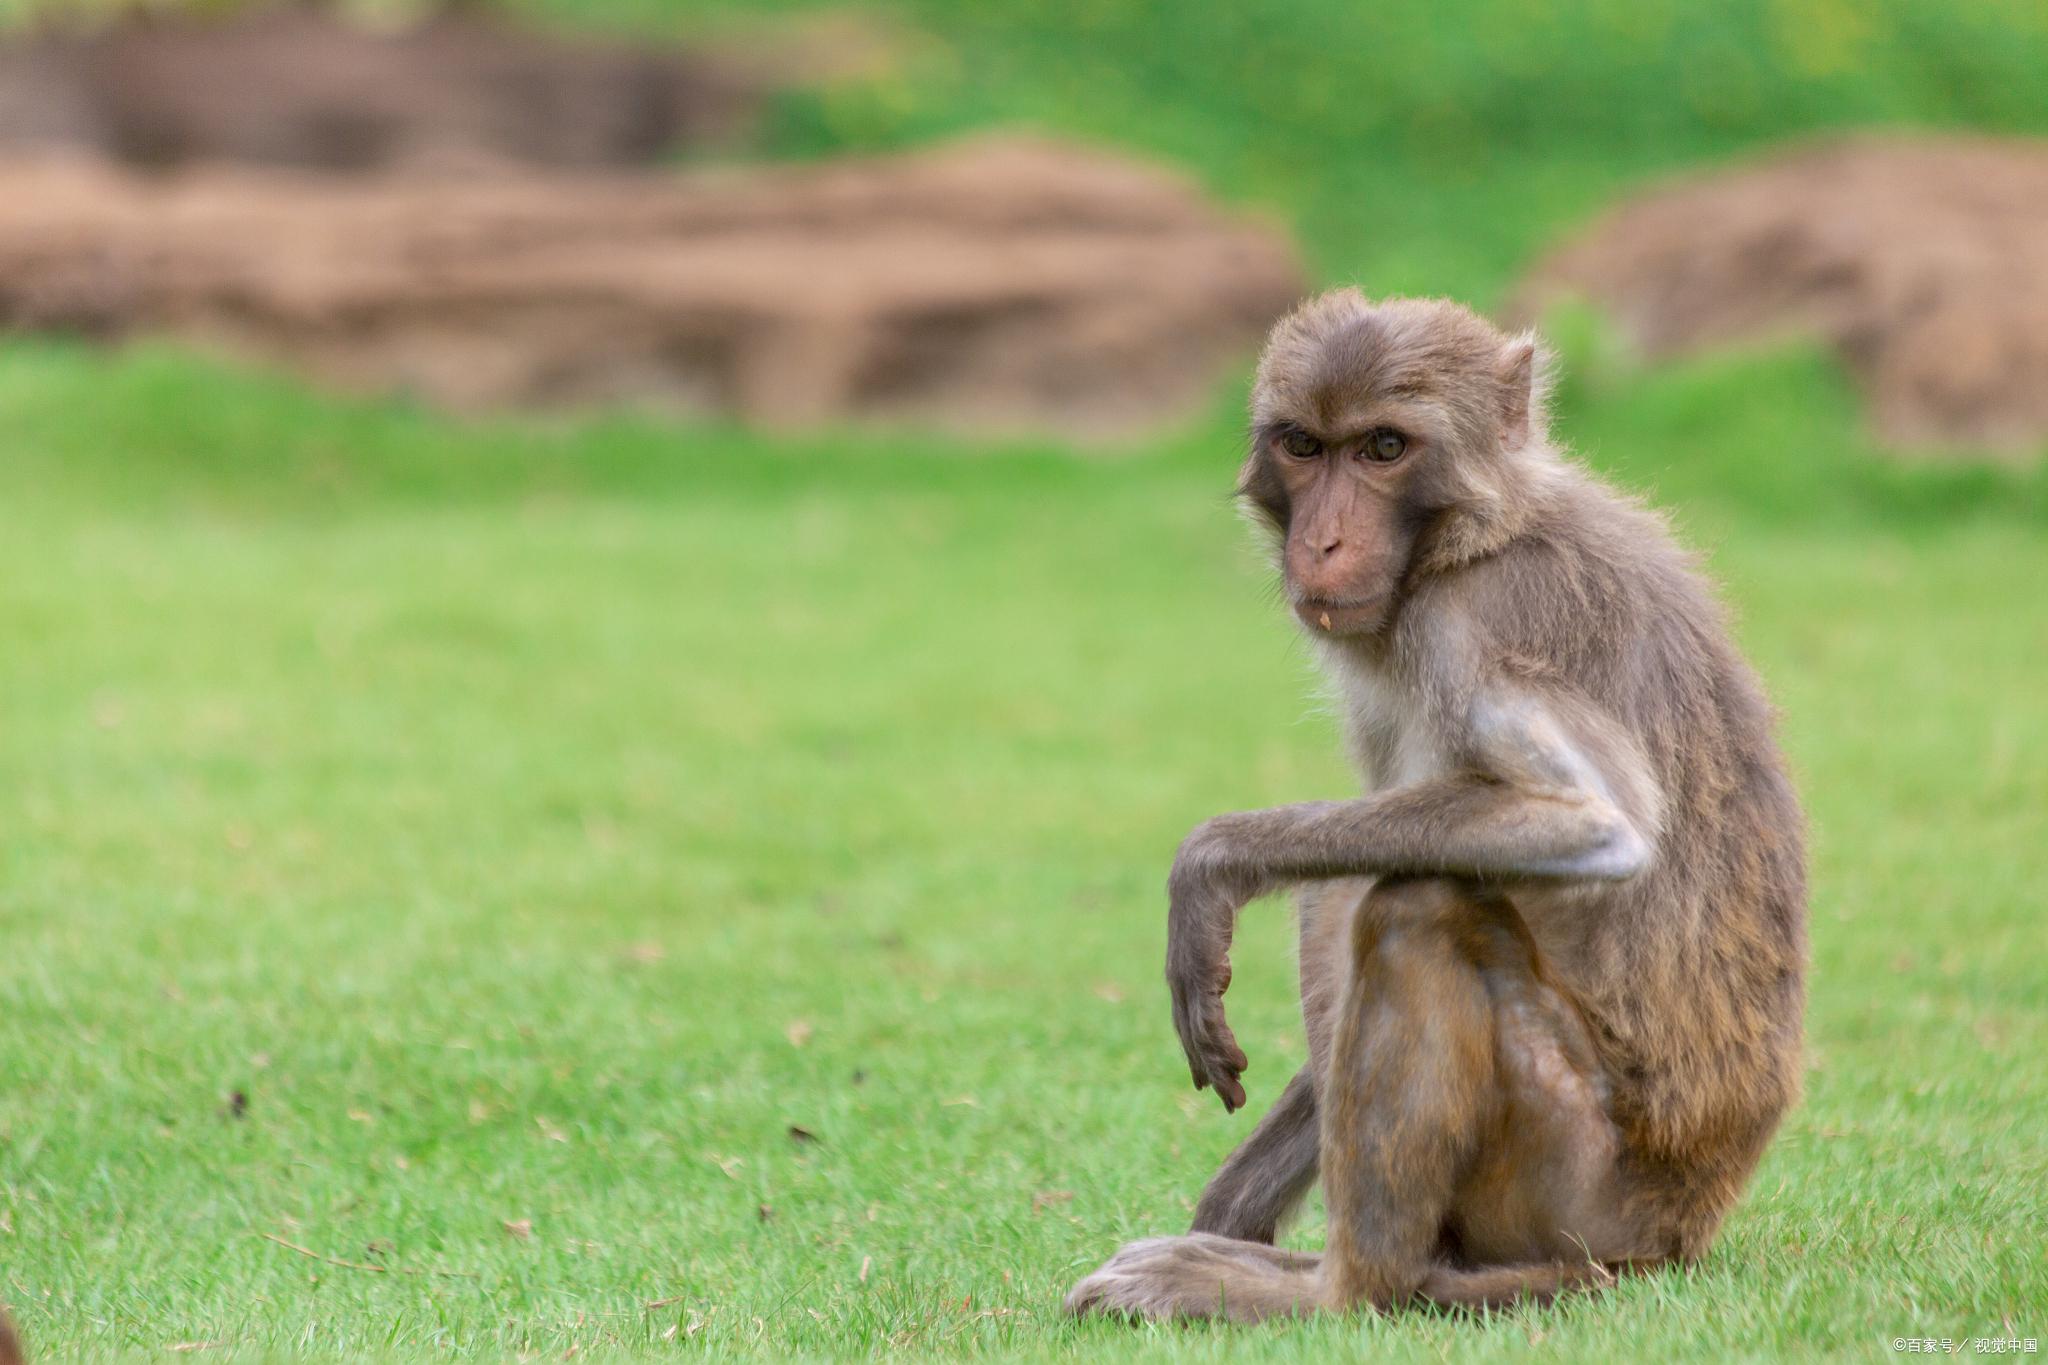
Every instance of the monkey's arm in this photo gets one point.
(1544, 790)
(1539, 796)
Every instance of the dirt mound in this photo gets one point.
(1924, 261)
(993, 283)
(297, 85)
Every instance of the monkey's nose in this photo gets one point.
(1335, 544)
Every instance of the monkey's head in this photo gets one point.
(1388, 438)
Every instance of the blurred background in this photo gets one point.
(610, 610)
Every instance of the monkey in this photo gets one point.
(10, 1343)
(1552, 961)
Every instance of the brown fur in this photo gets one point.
(10, 1344)
(1553, 961)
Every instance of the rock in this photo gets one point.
(995, 284)
(297, 85)
(1923, 261)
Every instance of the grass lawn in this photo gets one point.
(647, 888)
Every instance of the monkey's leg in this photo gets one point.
(1460, 1108)
(1266, 1177)
(1409, 1085)
(1200, 1275)
(1237, 1274)
(1504, 1286)
(1450, 1115)
(1410, 1091)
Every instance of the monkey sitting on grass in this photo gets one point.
(1553, 961)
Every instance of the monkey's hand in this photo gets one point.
(1211, 881)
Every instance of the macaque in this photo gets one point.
(1553, 959)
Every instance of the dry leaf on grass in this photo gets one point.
(521, 1228)
(798, 1032)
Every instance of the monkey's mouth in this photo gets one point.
(1329, 617)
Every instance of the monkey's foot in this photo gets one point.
(1200, 1276)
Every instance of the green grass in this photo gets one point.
(537, 820)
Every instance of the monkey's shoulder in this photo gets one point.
(1591, 583)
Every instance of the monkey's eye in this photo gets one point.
(1385, 446)
(1300, 444)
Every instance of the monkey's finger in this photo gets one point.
(1224, 1045)
(1198, 1062)
(1192, 1024)
(1222, 1077)
(1198, 1066)
(1229, 1089)
(1227, 1063)
(1238, 1061)
(1198, 1070)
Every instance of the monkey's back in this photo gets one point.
(1693, 973)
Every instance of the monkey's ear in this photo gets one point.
(1520, 368)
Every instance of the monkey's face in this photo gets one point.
(1351, 518)
(1376, 430)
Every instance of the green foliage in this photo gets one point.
(489, 803)
(1426, 147)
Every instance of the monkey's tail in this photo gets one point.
(1504, 1286)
